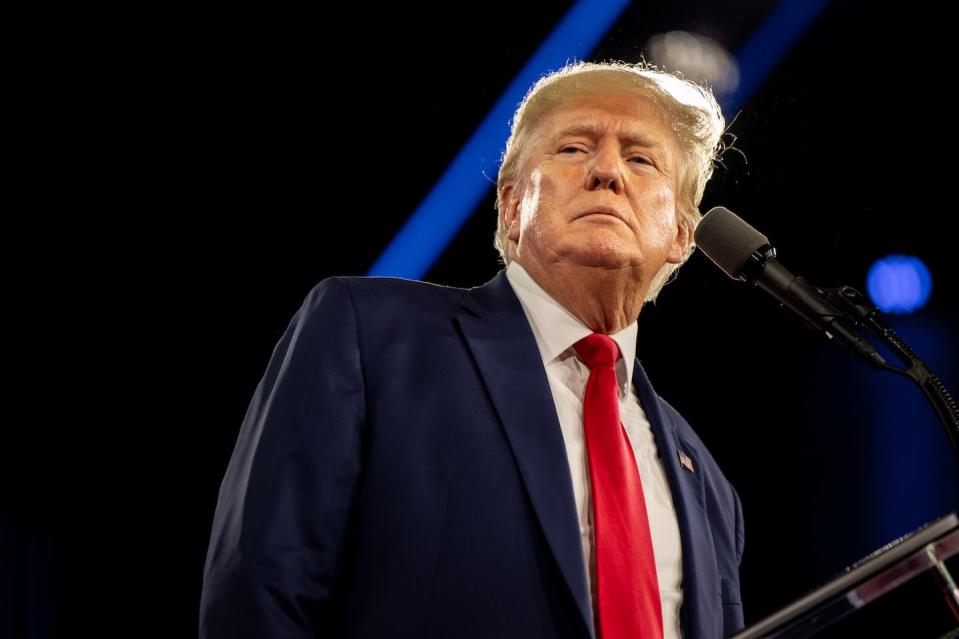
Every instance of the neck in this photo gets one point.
(605, 300)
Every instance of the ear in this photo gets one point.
(509, 210)
(681, 242)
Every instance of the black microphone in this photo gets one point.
(745, 254)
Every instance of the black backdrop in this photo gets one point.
(192, 174)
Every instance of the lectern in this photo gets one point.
(905, 589)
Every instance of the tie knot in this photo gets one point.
(597, 350)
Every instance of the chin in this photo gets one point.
(603, 259)
(603, 255)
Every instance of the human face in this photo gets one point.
(596, 187)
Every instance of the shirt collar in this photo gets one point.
(556, 329)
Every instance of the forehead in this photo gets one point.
(633, 118)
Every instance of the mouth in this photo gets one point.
(606, 211)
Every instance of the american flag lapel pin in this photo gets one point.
(685, 461)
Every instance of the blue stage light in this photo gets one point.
(899, 284)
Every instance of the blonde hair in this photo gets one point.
(690, 109)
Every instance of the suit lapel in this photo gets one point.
(503, 345)
(700, 615)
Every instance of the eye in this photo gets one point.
(570, 149)
(640, 159)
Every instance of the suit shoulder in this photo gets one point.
(390, 292)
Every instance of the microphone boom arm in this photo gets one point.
(854, 305)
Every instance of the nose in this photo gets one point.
(605, 171)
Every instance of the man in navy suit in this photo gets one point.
(413, 462)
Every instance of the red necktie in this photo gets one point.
(627, 590)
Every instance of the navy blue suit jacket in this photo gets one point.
(401, 472)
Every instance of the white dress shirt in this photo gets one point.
(556, 330)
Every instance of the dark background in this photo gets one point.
(190, 175)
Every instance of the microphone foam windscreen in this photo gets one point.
(727, 240)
